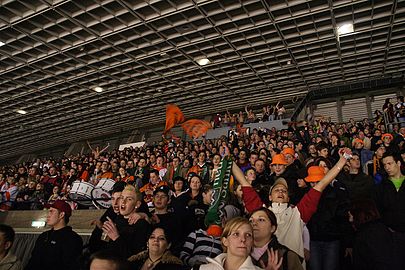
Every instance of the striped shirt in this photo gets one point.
(198, 246)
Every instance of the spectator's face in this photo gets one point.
(52, 171)
(160, 200)
(31, 185)
(159, 161)
(253, 159)
(195, 183)
(289, 158)
(178, 185)
(104, 166)
(355, 162)
(154, 178)
(116, 202)
(4, 245)
(262, 227)
(312, 149)
(323, 153)
(181, 156)
(262, 145)
(176, 162)
(279, 194)
(186, 163)
(358, 145)
(259, 166)
(201, 157)
(53, 217)
(391, 167)
(207, 196)
(152, 159)
(123, 164)
(216, 160)
(250, 175)
(72, 172)
(242, 155)
(142, 163)
(32, 172)
(129, 202)
(278, 169)
(122, 171)
(239, 242)
(157, 242)
(380, 151)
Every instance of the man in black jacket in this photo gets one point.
(60, 247)
(126, 239)
(390, 197)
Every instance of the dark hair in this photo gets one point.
(166, 231)
(319, 159)
(206, 188)
(118, 187)
(321, 145)
(107, 255)
(250, 169)
(363, 211)
(394, 155)
(156, 172)
(272, 217)
(8, 233)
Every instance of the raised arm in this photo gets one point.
(239, 176)
(89, 145)
(250, 197)
(330, 176)
(308, 205)
(105, 148)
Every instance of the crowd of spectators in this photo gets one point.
(350, 210)
(268, 113)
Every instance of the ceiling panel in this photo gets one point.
(143, 54)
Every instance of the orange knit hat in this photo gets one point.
(214, 230)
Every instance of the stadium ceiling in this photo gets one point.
(144, 55)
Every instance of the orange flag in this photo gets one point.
(174, 116)
(196, 128)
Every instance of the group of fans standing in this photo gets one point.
(325, 196)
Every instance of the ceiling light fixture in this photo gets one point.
(203, 61)
(98, 89)
(2, 43)
(345, 28)
(21, 112)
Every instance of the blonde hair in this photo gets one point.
(131, 188)
(232, 225)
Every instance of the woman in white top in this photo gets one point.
(237, 242)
